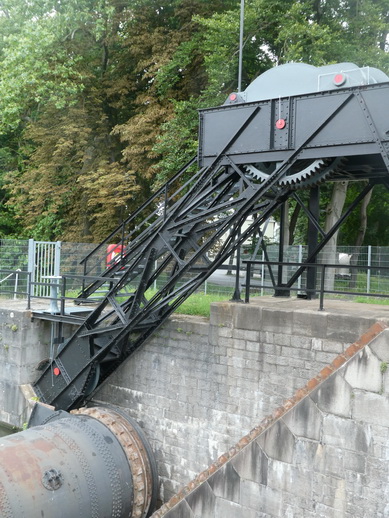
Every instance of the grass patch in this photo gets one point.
(199, 304)
(372, 300)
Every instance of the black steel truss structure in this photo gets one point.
(249, 166)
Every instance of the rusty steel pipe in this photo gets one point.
(95, 463)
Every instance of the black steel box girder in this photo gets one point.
(181, 224)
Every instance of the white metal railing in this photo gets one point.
(44, 263)
(16, 274)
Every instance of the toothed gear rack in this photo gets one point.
(294, 127)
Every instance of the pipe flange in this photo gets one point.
(138, 454)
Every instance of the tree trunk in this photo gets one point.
(360, 237)
(286, 224)
(284, 234)
(334, 212)
(293, 222)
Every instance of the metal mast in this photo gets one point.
(241, 45)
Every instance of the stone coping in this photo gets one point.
(268, 421)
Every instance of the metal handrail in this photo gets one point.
(60, 283)
(15, 273)
(161, 191)
(320, 266)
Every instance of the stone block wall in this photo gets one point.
(22, 346)
(24, 343)
(322, 454)
(198, 386)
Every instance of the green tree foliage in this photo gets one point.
(85, 106)
(173, 73)
(276, 31)
(8, 161)
(71, 182)
(99, 99)
(377, 232)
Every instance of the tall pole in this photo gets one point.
(241, 45)
(313, 239)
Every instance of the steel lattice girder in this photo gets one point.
(213, 204)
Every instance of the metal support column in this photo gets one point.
(313, 235)
(280, 290)
(236, 295)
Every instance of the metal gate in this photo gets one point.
(44, 259)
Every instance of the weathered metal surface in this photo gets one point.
(339, 123)
(138, 452)
(253, 156)
(84, 465)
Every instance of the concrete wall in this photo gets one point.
(22, 347)
(324, 453)
(198, 386)
(24, 343)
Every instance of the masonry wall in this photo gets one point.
(323, 453)
(22, 347)
(24, 344)
(197, 387)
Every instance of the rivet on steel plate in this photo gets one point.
(52, 479)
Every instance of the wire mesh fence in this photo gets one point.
(362, 270)
(17, 257)
(13, 262)
(372, 281)
(71, 256)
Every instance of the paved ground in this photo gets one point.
(219, 277)
(293, 303)
(330, 306)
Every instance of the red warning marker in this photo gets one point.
(56, 371)
(339, 79)
(281, 123)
